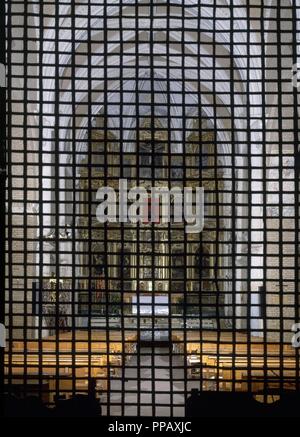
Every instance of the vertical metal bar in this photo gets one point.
(2, 180)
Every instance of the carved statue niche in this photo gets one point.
(56, 298)
(124, 264)
(202, 263)
(151, 155)
(178, 263)
(99, 258)
(98, 271)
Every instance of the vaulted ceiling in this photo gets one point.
(134, 55)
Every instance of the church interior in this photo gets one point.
(138, 318)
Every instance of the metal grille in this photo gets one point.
(166, 94)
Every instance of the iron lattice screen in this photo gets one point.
(156, 94)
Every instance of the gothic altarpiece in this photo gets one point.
(122, 263)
